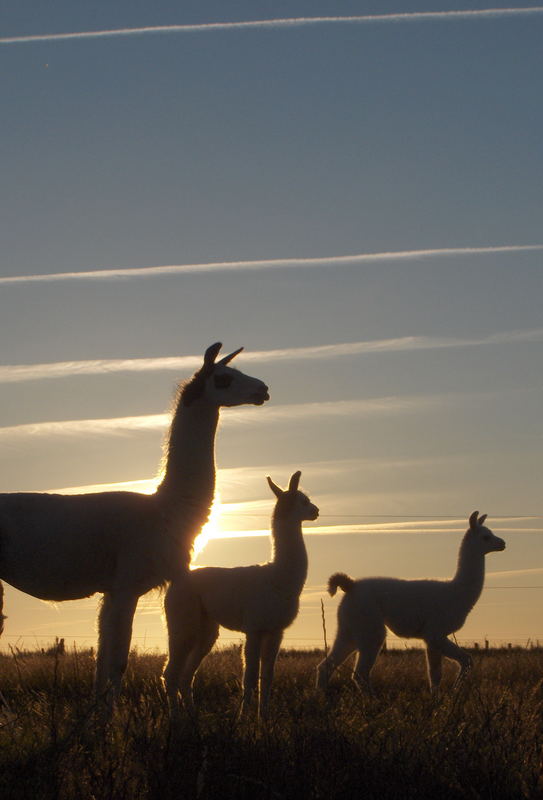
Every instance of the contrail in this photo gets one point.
(235, 481)
(289, 22)
(277, 263)
(119, 426)
(18, 373)
(419, 528)
(110, 426)
(515, 573)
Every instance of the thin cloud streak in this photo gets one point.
(116, 426)
(113, 426)
(335, 408)
(227, 512)
(229, 478)
(515, 573)
(290, 22)
(18, 373)
(411, 528)
(143, 486)
(279, 263)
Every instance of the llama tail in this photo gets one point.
(339, 579)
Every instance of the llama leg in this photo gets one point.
(451, 650)
(341, 649)
(369, 642)
(179, 649)
(208, 634)
(250, 672)
(271, 642)
(104, 643)
(115, 633)
(2, 617)
(184, 619)
(433, 662)
(121, 632)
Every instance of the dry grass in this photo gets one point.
(483, 741)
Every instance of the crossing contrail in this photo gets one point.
(267, 264)
(288, 22)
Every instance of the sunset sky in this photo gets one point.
(358, 202)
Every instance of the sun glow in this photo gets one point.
(212, 529)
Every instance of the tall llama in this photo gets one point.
(260, 600)
(430, 610)
(122, 544)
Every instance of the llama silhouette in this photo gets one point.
(260, 601)
(122, 544)
(430, 610)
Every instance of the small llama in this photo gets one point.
(260, 601)
(430, 610)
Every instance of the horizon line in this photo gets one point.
(273, 263)
(283, 22)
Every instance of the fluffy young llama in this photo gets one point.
(122, 544)
(420, 609)
(260, 601)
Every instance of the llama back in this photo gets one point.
(245, 598)
(227, 592)
(94, 533)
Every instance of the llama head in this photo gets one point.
(481, 537)
(220, 385)
(291, 502)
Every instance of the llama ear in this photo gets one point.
(229, 358)
(294, 482)
(278, 492)
(211, 354)
(482, 518)
(473, 520)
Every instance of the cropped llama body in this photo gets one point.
(260, 601)
(430, 610)
(122, 544)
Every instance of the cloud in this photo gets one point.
(290, 22)
(112, 426)
(116, 426)
(266, 264)
(232, 517)
(145, 486)
(406, 528)
(234, 479)
(377, 406)
(18, 373)
(515, 573)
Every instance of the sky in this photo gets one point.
(355, 200)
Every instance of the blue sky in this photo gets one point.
(274, 152)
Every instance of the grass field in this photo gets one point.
(481, 741)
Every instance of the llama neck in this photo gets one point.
(289, 555)
(190, 460)
(470, 573)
